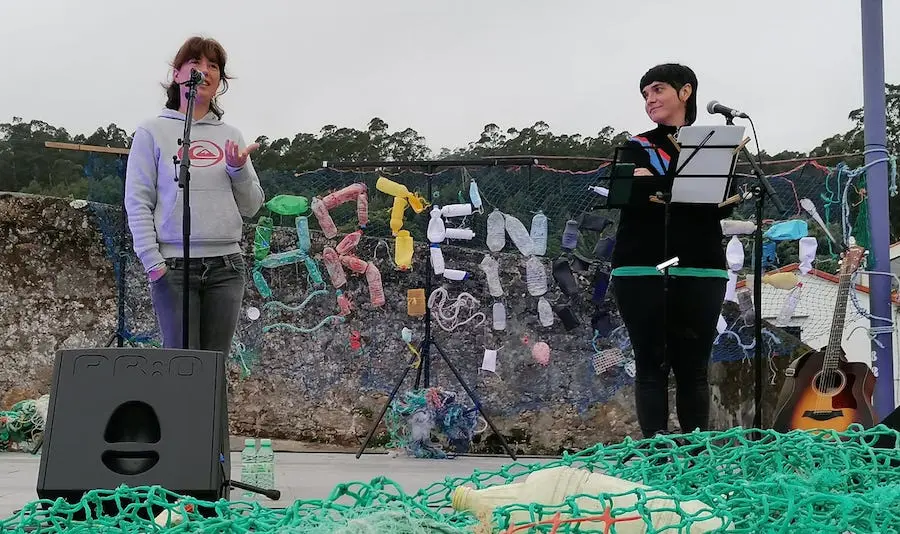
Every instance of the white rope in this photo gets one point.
(448, 315)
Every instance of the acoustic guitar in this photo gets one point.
(824, 391)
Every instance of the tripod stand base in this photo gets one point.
(425, 354)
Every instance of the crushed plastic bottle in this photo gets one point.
(535, 276)
(539, 233)
(496, 231)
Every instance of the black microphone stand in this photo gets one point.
(227, 483)
(183, 180)
(760, 190)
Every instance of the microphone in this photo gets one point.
(715, 108)
(197, 77)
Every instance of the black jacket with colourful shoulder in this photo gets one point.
(695, 231)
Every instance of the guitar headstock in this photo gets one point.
(851, 259)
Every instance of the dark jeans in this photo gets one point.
(692, 314)
(217, 290)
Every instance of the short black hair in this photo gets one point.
(677, 76)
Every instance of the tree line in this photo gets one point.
(27, 166)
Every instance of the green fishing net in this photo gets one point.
(752, 482)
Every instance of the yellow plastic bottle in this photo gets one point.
(552, 486)
(400, 191)
(391, 187)
(397, 214)
(403, 250)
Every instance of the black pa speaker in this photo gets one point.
(137, 417)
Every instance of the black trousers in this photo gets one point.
(692, 312)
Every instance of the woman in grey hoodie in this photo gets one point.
(223, 188)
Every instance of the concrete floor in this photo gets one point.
(298, 475)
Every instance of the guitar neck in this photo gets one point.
(833, 351)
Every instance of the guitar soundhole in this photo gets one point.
(830, 383)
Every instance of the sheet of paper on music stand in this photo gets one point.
(705, 178)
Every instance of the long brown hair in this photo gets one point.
(195, 48)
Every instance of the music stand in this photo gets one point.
(707, 156)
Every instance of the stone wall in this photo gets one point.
(58, 290)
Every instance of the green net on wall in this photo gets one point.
(751, 481)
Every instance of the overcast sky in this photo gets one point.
(445, 68)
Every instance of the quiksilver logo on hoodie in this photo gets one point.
(204, 153)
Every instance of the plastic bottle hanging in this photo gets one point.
(403, 250)
(436, 229)
(263, 237)
(362, 209)
(519, 235)
(333, 265)
(491, 269)
(496, 231)
(355, 264)
(437, 259)
(545, 312)
(570, 235)
(343, 303)
(456, 210)
(376, 290)
(455, 274)
(499, 316)
(539, 233)
(734, 254)
(349, 242)
(303, 241)
(324, 218)
(790, 304)
(397, 214)
(463, 234)
(535, 276)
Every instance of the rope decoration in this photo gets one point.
(447, 315)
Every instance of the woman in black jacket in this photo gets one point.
(696, 287)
